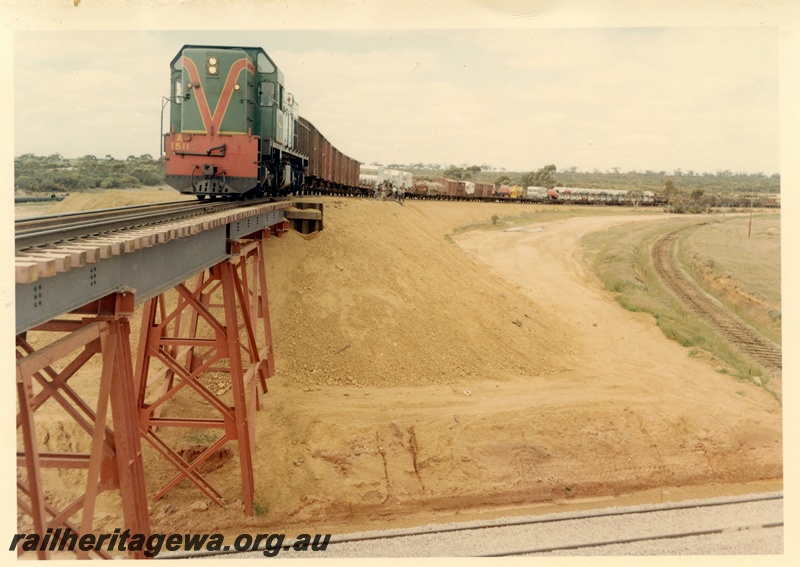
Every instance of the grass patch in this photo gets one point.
(742, 272)
(621, 259)
(550, 213)
(200, 437)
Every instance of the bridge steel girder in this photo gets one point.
(149, 269)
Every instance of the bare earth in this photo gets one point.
(421, 379)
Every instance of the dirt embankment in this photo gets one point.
(417, 380)
(379, 299)
(420, 378)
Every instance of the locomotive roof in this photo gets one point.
(192, 46)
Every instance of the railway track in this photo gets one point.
(732, 328)
(50, 229)
(578, 533)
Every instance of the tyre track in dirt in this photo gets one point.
(692, 295)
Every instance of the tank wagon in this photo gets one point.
(372, 175)
(234, 131)
(399, 179)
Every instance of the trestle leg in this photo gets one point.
(46, 377)
(188, 338)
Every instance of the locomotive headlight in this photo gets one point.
(212, 70)
(212, 60)
(236, 87)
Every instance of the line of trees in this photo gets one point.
(686, 191)
(685, 184)
(723, 182)
(56, 174)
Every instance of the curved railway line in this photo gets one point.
(732, 328)
(632, 526)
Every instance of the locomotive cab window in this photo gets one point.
(177, 91)
(263, 64)
(266, 94)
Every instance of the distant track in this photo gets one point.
(734, 329)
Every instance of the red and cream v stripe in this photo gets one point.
(212, 122)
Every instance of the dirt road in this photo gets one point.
(619, 351)
(604, 339)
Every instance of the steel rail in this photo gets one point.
(493, 525)
(625, 541)
(89, 213)
(51, 229)
(698, 300)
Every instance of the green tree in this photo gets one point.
(454, 172)
(544, 177)
(502, 180)
(27, 183)
(669, 192)
(635, 197)
(707, 201)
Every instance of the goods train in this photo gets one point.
(451, 190)
(235, 132)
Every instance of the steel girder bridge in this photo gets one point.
(197, 271)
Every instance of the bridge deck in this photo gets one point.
(59, 278)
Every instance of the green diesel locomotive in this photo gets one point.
(235, 132)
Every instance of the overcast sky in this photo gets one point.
(645, 97)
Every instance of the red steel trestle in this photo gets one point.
(199, 351)
(46, 381)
